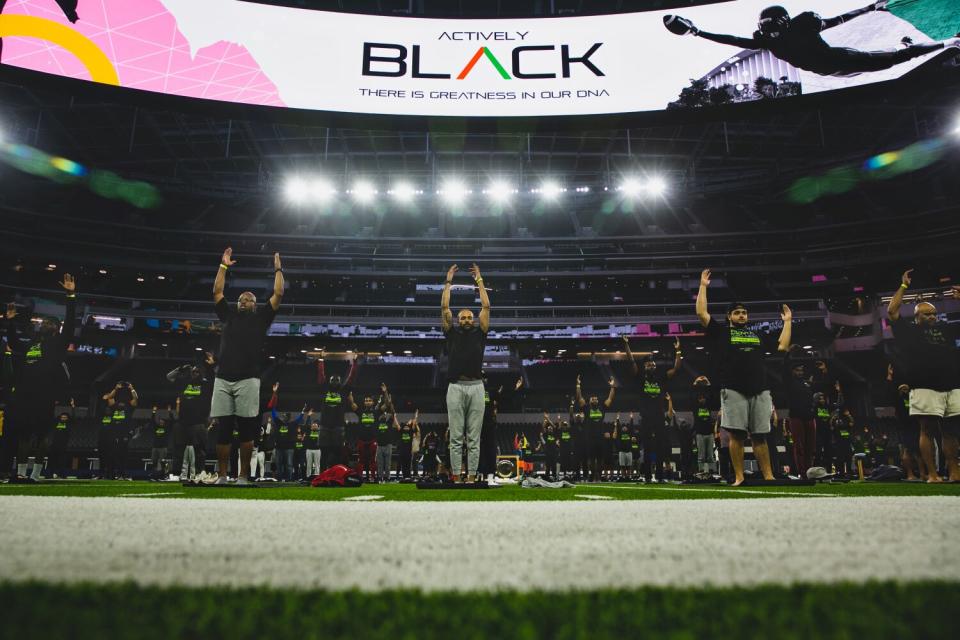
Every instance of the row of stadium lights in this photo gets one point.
(300, 190)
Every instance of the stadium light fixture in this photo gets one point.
(296, 190)
(363, 192)
(500, 191)
(656, 186)
(403, 192)
(550, 190)
(454, 191)
(321, 190)
(631, 187)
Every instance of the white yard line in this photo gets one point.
(465, 546)
(146, 495)
(725, 489)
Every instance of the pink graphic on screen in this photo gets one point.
(147, 49)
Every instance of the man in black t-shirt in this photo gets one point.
(39, 376)
(465, 402)
(931, 368)
(488, 432)
(703, 407)
(653, 391)
(236, 389)
(798, 41)
(336, 398)
(802, 423)
(59, 464)
(594, 425)
(745, 401)
(193, 410)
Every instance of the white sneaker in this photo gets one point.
(242, 481)
(492, 480)
(173, 478)
(220, 480)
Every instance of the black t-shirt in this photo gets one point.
(593, 421)
(61, 431)
(406, 437)
(822, 415)
(241, 343)
(333, 408)
(195, 399)
(313, 439)
(624, 439)
(385, 429)
(739, 353)
(367, 425)
(928, 354)
(42, 369)
(566, 438)
(653, 386)
(465, 352)
(799, 393)
(702, 421)
(285, 434)
(159, 435)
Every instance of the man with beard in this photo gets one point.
(236, 389)
(594, 425)
(745, 401)
(40, 376)
(932, 372)
(653, 391)
(465, 347)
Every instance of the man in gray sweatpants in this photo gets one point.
(465, 392)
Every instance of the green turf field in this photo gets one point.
(871, 611)
(407, 492)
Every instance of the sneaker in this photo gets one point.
(220, 480)
(173, 478)
(243, 481)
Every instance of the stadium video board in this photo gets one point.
(244, 52)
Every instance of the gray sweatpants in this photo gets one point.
(705, 452)
(465, 417)
(384, 457)
(189, 469)
(313, 462)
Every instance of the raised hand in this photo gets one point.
(383, 387)
(676, 343)
(955, 291)
(786, 315)
(11, 311)
(519, 384)
(578, 379)
(905, 279)
(889, 372)
(612, 382)
(68, 283)
(276, 386)
(208, 358)
(475, 271)
(450, 272)
(626, 340)
(705, 278)
(226, 258)
(276, 262)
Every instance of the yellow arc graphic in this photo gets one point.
(92, 56)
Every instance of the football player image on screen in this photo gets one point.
(797, 40)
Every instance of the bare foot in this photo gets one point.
(934, 479)
(738, 482)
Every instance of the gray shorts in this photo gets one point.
(240, 398)
(626, 458)
(746, 413)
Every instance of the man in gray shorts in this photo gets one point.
(236, 389)
(745, 401)
(465, 393)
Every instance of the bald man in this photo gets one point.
(236, 388)
(931, 369)
(465, 394)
